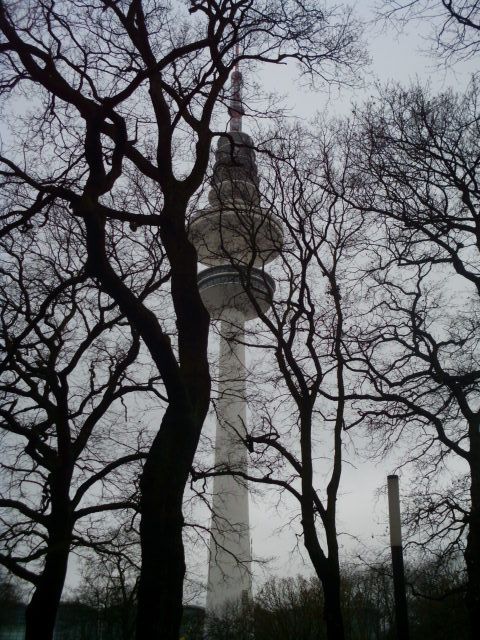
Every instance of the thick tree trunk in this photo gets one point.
(472, 552)
(328, 572)
(327, 568)
(332, 611)
(163, 562)
(41, 613)
(187, 383)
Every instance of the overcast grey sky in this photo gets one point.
(402, 55)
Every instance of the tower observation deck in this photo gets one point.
(236, 237)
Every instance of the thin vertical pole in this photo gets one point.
(401, 612)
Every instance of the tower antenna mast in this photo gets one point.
(235, 109)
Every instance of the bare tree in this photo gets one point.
(289, 607)
(302, 413)
(11, 597)
(414, 174)
(109, 585)
(286, 608)
(122, 95)
(455, 23)
(69, 367)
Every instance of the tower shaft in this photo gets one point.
(229, 578)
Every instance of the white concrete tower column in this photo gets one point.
(229, 571)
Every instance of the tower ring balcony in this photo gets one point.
(224, 289)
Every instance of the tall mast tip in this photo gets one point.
(235, 109)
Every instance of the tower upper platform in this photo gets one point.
(225, 289)
(235, 235)
(235, 227)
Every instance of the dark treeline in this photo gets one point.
(284, 609)
(288, 608)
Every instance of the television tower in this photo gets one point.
(235, 237)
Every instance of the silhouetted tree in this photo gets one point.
(455, 23)
(68, 369)
(302, 412)
(414, 175)
(109, 586)
(292, 607)
(121, 98)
